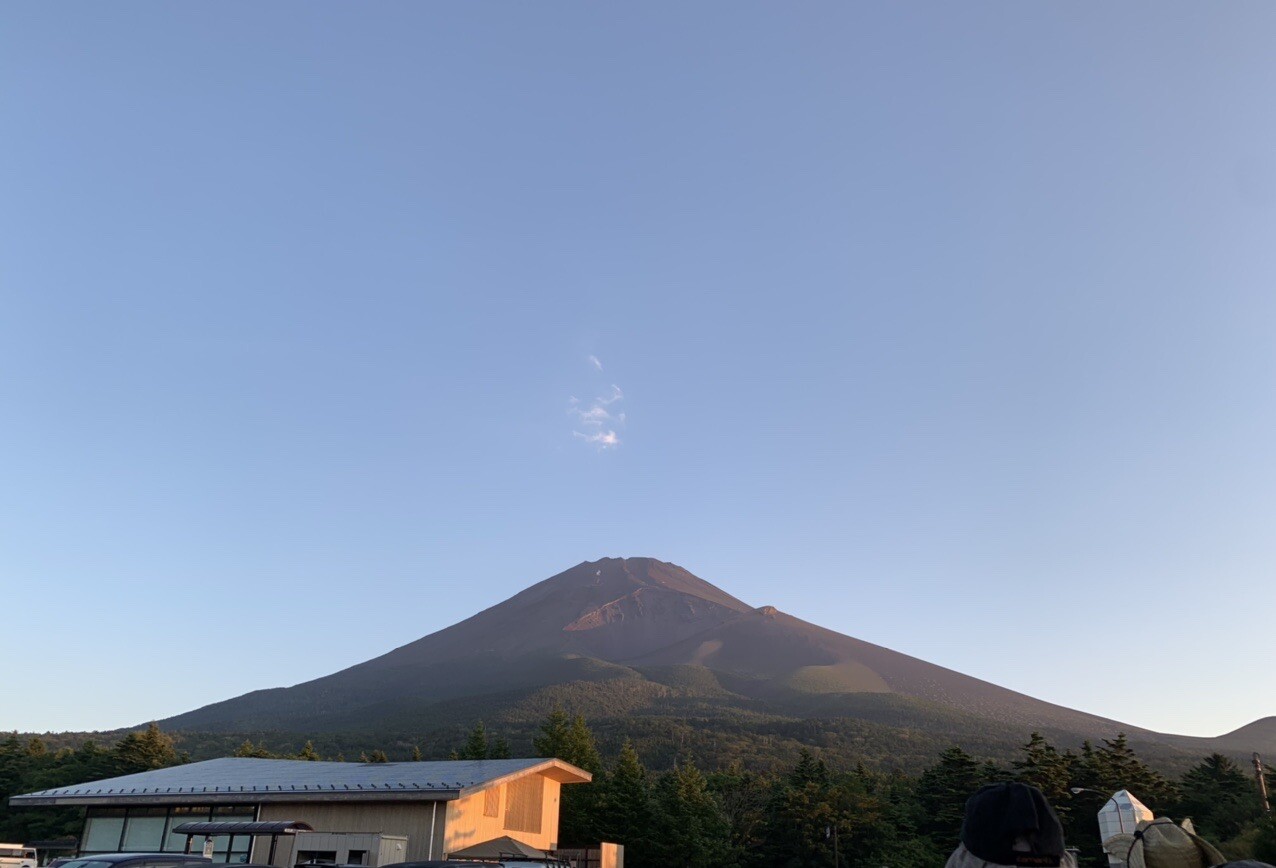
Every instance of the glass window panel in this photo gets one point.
(143, 834)
(176, 843)
(102, 834)
(237, 853)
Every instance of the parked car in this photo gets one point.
(138, 860)
(17, 856)
(513, 862)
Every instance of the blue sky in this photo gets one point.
(946, 326)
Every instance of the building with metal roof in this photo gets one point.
(440, 807)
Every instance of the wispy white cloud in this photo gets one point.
(601, 439)
(595, 424)
(593, 416)
(593, 360)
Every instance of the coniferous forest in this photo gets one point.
(813, 812)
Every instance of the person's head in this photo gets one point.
(1010, 824)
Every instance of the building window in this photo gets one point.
(175, 843)
(103, 830)
(492, 802)
(357, 857)
(144, 831)
(523, 804)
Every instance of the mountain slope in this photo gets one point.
(569, 627)
(668, 640)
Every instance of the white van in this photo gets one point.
(16, 856)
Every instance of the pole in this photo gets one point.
(1261, 774)
(434, 811)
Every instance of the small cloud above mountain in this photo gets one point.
(596, 424)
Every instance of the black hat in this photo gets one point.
(1012, 824)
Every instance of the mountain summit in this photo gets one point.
(645, 627)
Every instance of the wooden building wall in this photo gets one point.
(504, 810)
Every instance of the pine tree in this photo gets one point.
(378, 756)
(692, 830)
(308, 752)
(624, 811)
(142, 751)
(1116, 767)
(943, 790)
(554, 737)
(582, 748)
(801, 816)
(248, 749)
(416, 753)
(476, 746)
(808, 770)
(1219, 797)
(1045, 768)
(1265, 839)
(499, 749)
(568, 739)
(744, 796)
(572, 741)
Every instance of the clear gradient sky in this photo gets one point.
(949, 326)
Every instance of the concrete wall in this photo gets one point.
(412, 819)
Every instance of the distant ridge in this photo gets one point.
(630, 622)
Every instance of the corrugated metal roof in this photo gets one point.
(249, 780)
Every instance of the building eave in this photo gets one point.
(245, 797)
(554, 769)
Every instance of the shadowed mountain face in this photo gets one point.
(641, 622)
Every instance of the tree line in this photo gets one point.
(732, 815)
(30, 765)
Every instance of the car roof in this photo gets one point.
(116, 858)
(444, 863)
